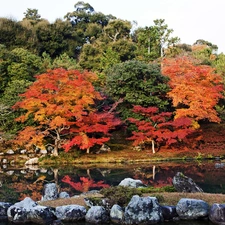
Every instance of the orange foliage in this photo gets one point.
(62, 103)
(195, 90)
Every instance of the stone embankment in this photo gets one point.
(140, 210)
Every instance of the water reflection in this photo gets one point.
(28, 181)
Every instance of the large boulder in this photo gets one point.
(50, 192)
(129, 182)
(217, 214)
(3, 210)
(183, 183)
(70, 213)
(143, 210)
(96, 215)
(117, 214)
(190, 209)
(28, 211)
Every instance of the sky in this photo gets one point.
(190, 19)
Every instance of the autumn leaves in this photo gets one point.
(62, 108)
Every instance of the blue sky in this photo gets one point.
(190, 19)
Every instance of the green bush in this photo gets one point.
(120, 195)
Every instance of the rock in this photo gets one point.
(117, 214)
(43, 152)
(3, 210)
(143, 210)
(28, 211)
(23, 151)
(32, 161)
(69, 213)
(169, 212)
(183, 183)
(97, 214)
(104, 148)
(10, 152)
(64, 195)
(219, 165)
(50, 192)
(88, 202)
(129, 182)
(217, 214)
(4, 161)
(189, 209)
(10, 172)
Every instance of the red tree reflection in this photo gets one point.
(85, 183)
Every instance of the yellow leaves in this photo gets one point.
(58, 121)
(29, 136)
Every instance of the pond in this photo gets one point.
(17, 183)
(29, 181)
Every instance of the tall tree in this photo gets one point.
(152, 41)
(62, 104)
(32, 15)
(136, 83)
(195, 90)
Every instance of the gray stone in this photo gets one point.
(129, 182)
(219, 165)
(143, 210)
(97, 214)
(104, 148)
(50, 192)
(64, 195)
(217, 214)
(69, 213)
(3, 210)
(117, 214)
(183, 183)
(190, 209)
(28, 211)
(4, 161)
(169, 212)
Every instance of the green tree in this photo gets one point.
(8, 115)
(136, 83)
(152, 41)
(13, 34)
(32, 15)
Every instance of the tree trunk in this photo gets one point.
(88, 150)
(55, 152)
(56, 148)
(153, 147)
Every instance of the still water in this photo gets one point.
(17, 183)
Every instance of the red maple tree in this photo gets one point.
(159, 127)
(62, 104)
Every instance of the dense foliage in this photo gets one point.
(76, 79)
